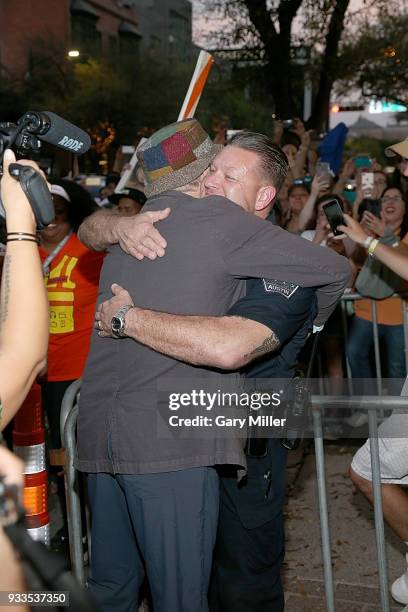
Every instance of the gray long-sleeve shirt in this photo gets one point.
(212, 246)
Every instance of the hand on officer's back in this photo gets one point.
(138, 237)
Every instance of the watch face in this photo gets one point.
(116, 324)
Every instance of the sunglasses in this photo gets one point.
(391, 199)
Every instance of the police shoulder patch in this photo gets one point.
(284, 288)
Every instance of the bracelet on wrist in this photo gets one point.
(22, 239)
(367, 242)
(373, 245)
(22, 234)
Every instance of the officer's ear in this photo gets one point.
(265, 197)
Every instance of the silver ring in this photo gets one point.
(100, 325)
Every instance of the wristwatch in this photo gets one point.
(118, 322)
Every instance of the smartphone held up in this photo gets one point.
(334, 215)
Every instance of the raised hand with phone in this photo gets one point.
(322, 229)
(334, 213)
(373, 223)
(320, 185)
(367, 184)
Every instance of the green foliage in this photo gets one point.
(374, 147)
(144, 93)
(376, 62)
(158, 91)
(349, 45)
(235, 101)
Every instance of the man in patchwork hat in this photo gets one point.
(154, 498)
(175, 156)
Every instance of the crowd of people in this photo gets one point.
(209, 264)
(376, 200)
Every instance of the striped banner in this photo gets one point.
(199, 78)
(202, 70)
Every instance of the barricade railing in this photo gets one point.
(68, 421)
(371, 404)
(353, 297)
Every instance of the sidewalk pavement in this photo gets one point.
(352, 536)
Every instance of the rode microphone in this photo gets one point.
(51, 128)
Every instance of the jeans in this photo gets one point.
(360, 343)
(163, 525)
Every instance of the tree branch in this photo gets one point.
(328, 69)
(262, 20)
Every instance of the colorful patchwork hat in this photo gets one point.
(175, 155)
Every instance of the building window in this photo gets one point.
(179, 35)
(129, 41)
(154, 43)
(85, 36)
(112, 49)
(129, 46)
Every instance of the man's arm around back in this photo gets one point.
(136, 235)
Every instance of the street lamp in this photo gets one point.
(73, 53)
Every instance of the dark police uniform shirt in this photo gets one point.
(289, 311)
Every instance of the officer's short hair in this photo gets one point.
(274, 162)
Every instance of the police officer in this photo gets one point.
(249, 550)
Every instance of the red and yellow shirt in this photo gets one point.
(72, 285)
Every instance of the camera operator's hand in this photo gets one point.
(19, 214)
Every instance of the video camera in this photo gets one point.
(44, 571)
(25, 138)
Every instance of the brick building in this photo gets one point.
(166, 27)
(94, 27)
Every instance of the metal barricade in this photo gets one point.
(353, 297)
(68, 421)
(373, 405)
